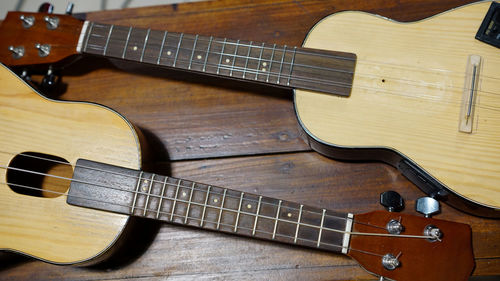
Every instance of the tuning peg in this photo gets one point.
(427, 206)
(69, 8)
(46, 8)
(392, 201)
(49, 80)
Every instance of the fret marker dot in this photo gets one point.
(169, 53)
(198, 57)
(289, 215)
(264, 64)
(264, 70)
(216, 200)
(228, 60)
(135, 48)
(144, 189)
(183, 194)
(249, 206)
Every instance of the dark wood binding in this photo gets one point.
(120, 190)
(291, 67)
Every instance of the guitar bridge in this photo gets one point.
(469, 95)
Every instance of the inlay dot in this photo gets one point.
(135, 48)
(184, 194)
(198, 57)
(169, 53)
(216, 200)
(144, 189)
(249, 206)
(263, 70)
(289, 215)
(264, 64)
(228, 60)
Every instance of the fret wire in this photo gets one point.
(145, 42)
(178, 184)
(205, 206)
(276, 219)
(221, 207)
(275, 73)
(281, 65)
(259, 61)
(107, 40)
(88, 36)
(221, 54)
(161, 48)
(299, 51)
(256, 216)
(149, 193)
(136, 191)
(126, 42)
(135, 177)
(246, 61)
(271, 63)
(161, 196)
(234, 59)
(189, 203)
(192, 53)
(175, 199)
(298, 224)
(321, 227)
(126, 175)
(238, 213)
(291, 65)
(208, 52)
(178, 48)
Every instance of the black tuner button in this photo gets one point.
(46, 8)
(49, 80)
(392, 201)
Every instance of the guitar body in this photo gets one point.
(405, 105)
(48, 228)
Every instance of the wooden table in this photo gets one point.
(240, 136)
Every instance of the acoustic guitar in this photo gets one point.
(70, 180)
(420, 96)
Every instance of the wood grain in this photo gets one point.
(226, 125)
(408, 96)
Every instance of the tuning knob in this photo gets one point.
(392, 201)
(69, 8)
(427, 206)
(46, 8)
(49, 80)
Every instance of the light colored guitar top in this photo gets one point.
(408, 92)
(31, 123)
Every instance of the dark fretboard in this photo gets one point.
(138, 193)
(293, 67)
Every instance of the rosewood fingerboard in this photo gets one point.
(293, 67)
(137, 193)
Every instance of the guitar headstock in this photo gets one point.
(38, 38)
(447, 256)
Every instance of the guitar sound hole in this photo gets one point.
(38, 174)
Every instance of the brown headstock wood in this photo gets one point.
(14, 33)
(419, 259)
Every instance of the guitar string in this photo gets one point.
(218, 208)
(257, 45)
(309, 79)
(375, 90)
(215, 222)
(154, 181)
(281, 49)
(425, 85)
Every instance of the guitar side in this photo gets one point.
(48, 228)
(406, 99)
